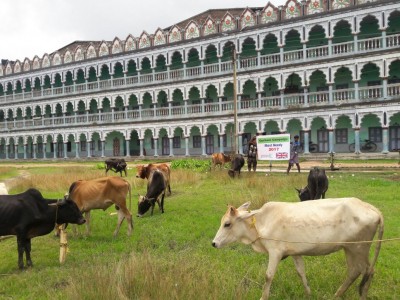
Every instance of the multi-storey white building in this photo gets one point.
(328, 70)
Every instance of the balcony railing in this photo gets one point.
(213, 109)
(221, 68)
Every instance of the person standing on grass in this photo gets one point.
(252, 154)
(294, 154)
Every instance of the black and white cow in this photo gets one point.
(28, 215)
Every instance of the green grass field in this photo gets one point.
(169, 256)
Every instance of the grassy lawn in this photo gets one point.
(169, 256)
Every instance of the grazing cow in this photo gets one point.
(308, 228)
(219, 159)
(317, 185)
(155, 189)
(28, 215)
(116, 165)
(101, 193)
(145, 172)
(236, 165)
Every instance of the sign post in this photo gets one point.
(273, 147)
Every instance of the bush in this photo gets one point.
(192, 164)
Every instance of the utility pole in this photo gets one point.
(235, 127)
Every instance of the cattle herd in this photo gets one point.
(280, 229)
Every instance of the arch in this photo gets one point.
(211, 55)
(145, 66)
(369, 28)
(106, 105)
(177, 98)
(394, 72)
(393, 23)
(317, 37)
(194, 95)
(193, 58)
(80, 77)
(249, 90)
(271, 87)
(57, 80)
(343, 78)
(147, 100)
(131, 69)
(248, 48)
(228, 91)
(211, 93)
(133, 102)
(92, 75)
(162, 99)
(161, 63)
(270, 44)
(227, 51)
(176, 61)
(292, 41)
(342, 32)
(105, 72)
(293, 84)
(118, 70)
(93, 106)
(370, 75)
(119, 104)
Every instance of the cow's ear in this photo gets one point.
(244, 206)
(247, 215)
(232, 211)
(298, 190)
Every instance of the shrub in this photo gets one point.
(192, 164)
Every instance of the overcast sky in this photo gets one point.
(36, 27)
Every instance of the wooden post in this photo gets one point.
(63, 244)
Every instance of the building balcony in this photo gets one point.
(222, 68)
(282, 102)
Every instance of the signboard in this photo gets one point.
(273, 147)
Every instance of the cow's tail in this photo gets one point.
(367, 278)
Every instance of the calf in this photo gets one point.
(219, 159)
(28, 215)
(317, 185)
(308, 228)
(145, 172)
(155, 189)
(101, 193)
(116, 165)
(236, 165)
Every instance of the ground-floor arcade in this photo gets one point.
(322, 132)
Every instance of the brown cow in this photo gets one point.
(101, 193)
(145, 171)
(219, 159)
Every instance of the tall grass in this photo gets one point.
(169, 256)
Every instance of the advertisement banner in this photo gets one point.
(273, 147)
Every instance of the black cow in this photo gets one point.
(236, 165)
(116, 165)
(317, 185)
(28, 215)
(156, 186)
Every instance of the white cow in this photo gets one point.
(307, 228)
